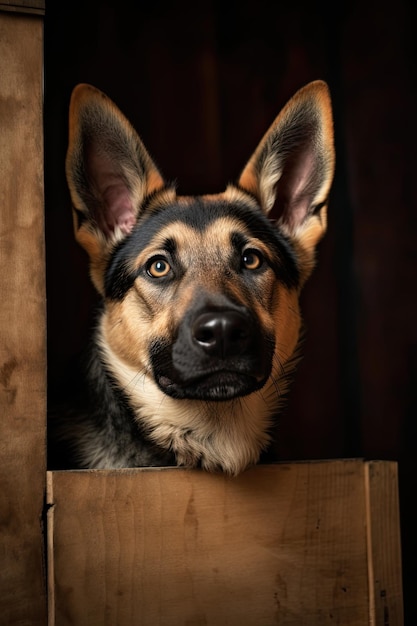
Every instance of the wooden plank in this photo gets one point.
(280, 544)
(22, 322)
(36, 7)
(384, 543)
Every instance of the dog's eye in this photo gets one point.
(252, 259)
(158, 267)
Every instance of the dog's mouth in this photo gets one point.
(215, 386)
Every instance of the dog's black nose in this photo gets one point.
(222, 334)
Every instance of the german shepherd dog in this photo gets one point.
(199, 326)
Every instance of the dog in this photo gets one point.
(199, 326)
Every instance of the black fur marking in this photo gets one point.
(101, 412)
(120, 278)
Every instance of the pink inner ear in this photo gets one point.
(294, 215)
(297, 186)
(116, 208)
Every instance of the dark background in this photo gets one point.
(201, 82)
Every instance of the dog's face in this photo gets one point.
(204, 295)
(201, 293)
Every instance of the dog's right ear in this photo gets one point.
(109, 174)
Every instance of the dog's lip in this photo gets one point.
(217, 385)
(222, 375)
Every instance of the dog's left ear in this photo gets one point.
(291, 171)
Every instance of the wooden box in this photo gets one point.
(310, 543)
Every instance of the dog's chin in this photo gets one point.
(215, 387)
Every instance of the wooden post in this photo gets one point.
(22, 315)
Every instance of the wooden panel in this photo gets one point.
(385, 579)
(22, 322)
(36, 7)
(280, 544)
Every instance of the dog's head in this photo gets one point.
(201, 293)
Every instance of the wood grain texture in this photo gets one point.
(282, 544)
(22, 322)
(381, 483)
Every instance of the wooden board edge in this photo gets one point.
(50, 547)
(383, 543)
(33, 7)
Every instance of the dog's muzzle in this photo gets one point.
(218, 354)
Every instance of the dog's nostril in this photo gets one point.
(205, 334)
(222, 334)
